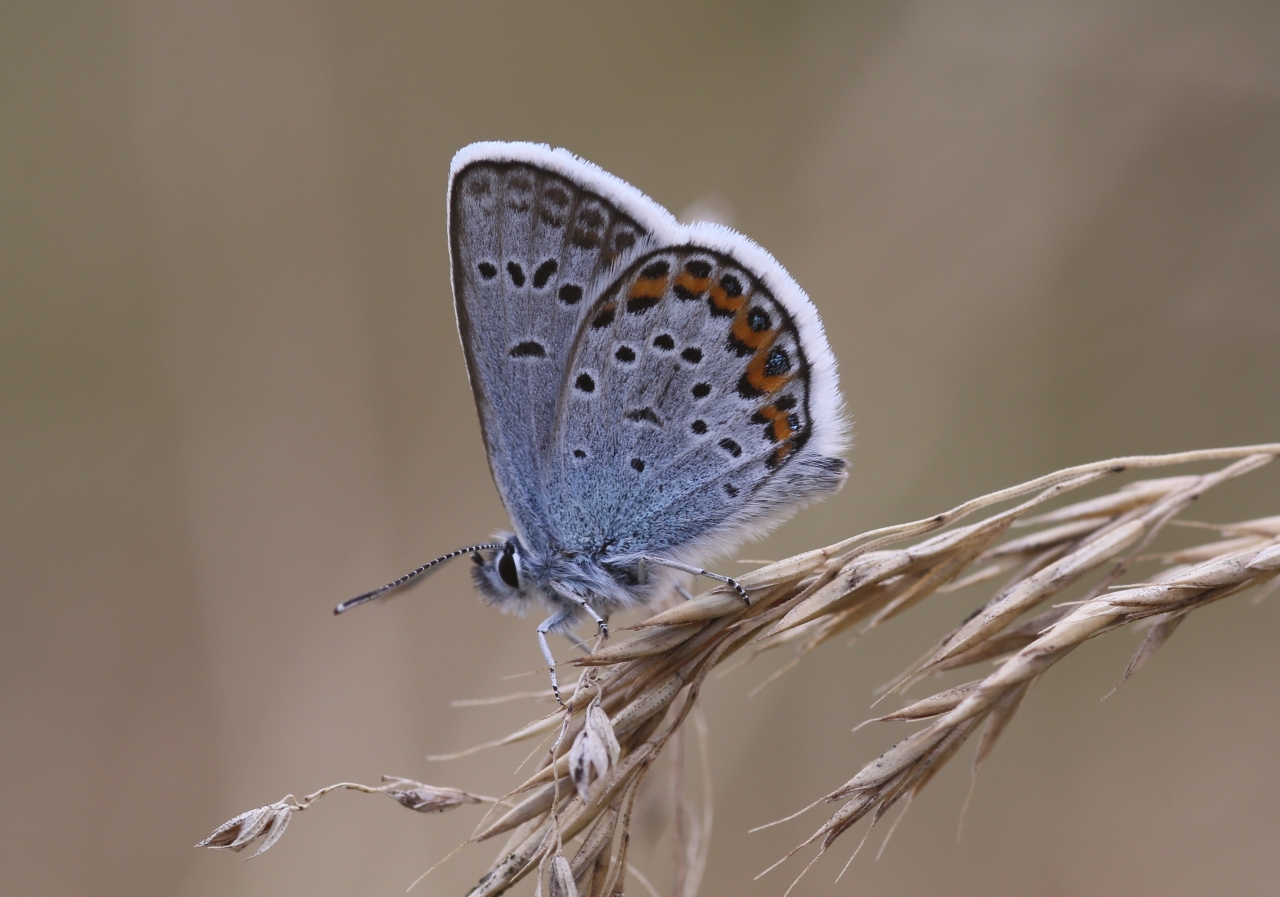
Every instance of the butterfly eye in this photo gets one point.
(508, 566)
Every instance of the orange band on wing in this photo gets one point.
(648, 288)
(778, 423)
(721, 301)
(691, 285)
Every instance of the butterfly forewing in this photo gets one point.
(530, 250)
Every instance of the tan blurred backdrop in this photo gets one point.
(232, 394)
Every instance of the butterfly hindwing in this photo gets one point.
(530, 247)
(688, 410)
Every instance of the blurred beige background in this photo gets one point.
(231, 394)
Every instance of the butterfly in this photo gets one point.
(650, 393)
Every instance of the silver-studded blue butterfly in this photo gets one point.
(651, 393)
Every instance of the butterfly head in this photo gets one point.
(503, 576)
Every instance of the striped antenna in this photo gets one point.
(412, 575)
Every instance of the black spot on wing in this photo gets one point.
(625, 354)
(517, 274)
(699, 427)
(693, 355)
(731, 447)
(746, 390)
(487, 270)
(644, 415)
(604, 318)
(664, 342)
(570, 294)
(544, 272)
(758, 319)
(701, 390)
(777, 362)
(529, 349)
(640, 304)
(586, 228)
(738, 347)
(585, 383)
(638, 464)
(585, 239)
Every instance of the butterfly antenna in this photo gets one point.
(412, 575)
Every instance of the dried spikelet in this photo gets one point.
(934, 705)
(427, 798)
(1033, 590)
(658, 640)
(597, 839)
(595, 751)
(1126, 498)
(267, 823)
(532, 807)
(560, 880)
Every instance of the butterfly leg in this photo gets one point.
(581, 602)
(642, 575)
(698, 571)
(600, 621)
(544, 627)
